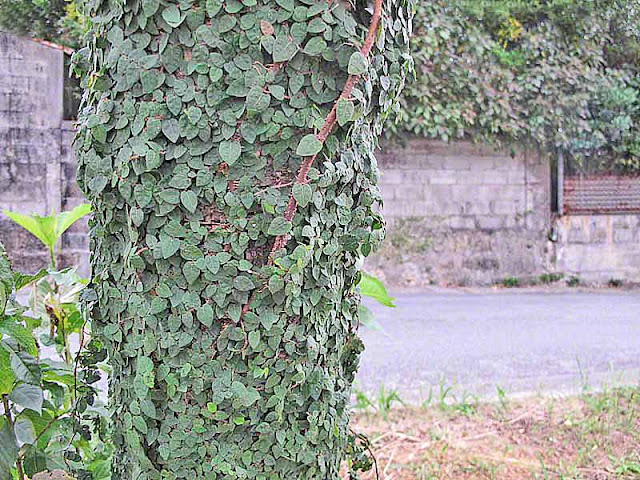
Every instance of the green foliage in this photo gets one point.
(48, 412)
(559, 73)
(232, 359)
(49, 229)
(59, 21)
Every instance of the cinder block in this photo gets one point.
(490, 223)
(623, 236)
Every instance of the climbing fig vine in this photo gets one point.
(227, 149)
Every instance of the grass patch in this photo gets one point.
(590, 437)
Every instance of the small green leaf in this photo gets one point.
(308, 146)
(230, 151)
(243, 283)
(315, 46)
(172, 16)
(254, 339)
(189, 199)
(344, 111)
(279, 226)
(205, 315)
(212, 407)
(358, 64)
(302, 194)
(171, 129)
(239, 420)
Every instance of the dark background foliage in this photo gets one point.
(58, 21)
(559, 73)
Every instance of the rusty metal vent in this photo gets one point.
(602, 194)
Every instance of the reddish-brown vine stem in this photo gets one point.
(327, 127)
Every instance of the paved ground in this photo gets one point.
(524, 342)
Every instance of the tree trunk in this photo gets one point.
(228, 152)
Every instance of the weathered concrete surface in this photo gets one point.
(36, 162)
(522, 342)
(599, 248)
(463, 214)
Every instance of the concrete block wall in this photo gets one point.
(35, 156)
(599, 248)
(462, 214)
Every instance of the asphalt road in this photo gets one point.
(523, 342)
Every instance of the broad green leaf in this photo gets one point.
(24, 366)
(371, 287)
(21, 280)
(367, 319)
(24, 430)
(358, 64)
(8, 449)
(66, 219)
(35, 461)
(43, 228)
(18, 332)
(6, 373)
(28, 396)
(49, 229)
(344, 111)
(308, 146)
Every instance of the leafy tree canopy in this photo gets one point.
(560, 73)
(58, 21)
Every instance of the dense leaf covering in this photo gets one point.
(561, 73)
(229, 362)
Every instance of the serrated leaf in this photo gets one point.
(28, 396)
(308, 146)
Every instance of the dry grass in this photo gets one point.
(594, 437)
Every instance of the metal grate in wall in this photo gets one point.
(602, 194)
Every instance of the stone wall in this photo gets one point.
(36, 164)
(462, 214)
